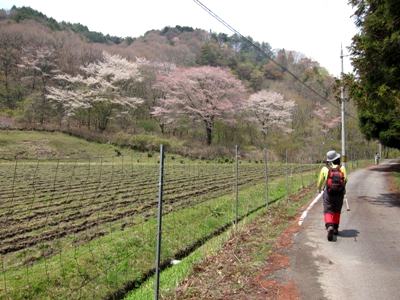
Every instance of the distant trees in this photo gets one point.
(376, 58)
(20, 14)
(10, 52)
(270, 110)
(52, 76)
(41, 68)
(204, 94)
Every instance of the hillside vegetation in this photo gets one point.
(131, 92)
(47, 145)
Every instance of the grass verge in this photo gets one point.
(396, 180)
(171, 277)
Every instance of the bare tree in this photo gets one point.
(11, 42)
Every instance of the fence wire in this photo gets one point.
(86, 229)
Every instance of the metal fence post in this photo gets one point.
(159, 221)
(266, 178)
(237, 184)
(301, 175)
(287, 177)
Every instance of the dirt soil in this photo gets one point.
(252, 264)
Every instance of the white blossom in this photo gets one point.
(270, 110)
(100, 82)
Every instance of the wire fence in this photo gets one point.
(87, 229)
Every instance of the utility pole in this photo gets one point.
(344, 158)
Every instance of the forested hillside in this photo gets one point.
(210, 90)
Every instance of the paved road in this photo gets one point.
(364, 261)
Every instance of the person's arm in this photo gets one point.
(321, 178)
(343, 169)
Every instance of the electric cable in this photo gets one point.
(269, 55)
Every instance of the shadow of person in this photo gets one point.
(349, 233)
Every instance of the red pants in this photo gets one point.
(332, 218)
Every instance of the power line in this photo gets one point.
(269, 55)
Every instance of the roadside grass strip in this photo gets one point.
(173, 275)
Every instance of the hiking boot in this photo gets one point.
(330, 233)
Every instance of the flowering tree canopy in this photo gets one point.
(270, 110)
(40, 60)
(204, 94)
(328, 121)
(100, 83)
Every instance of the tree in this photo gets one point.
(328, 122)
(41, 64)
(270, 110)
(204, 94)
(11, 42)
(211, 55)
(99, 90)
(376, 59)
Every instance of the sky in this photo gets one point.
(316, 28)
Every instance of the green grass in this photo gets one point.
(33, 144)
(396, 176)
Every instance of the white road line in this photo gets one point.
(304, 214)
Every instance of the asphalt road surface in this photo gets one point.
(364, 261)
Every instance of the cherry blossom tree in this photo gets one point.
(204, 94)
(270, 110)
(99, 89)
(151, 93)
(328, 121)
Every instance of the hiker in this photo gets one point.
(377, 158)
(332, 179)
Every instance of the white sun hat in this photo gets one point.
(332, 155)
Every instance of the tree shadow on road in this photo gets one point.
(394, 167)
(387, 199)
(349, 233)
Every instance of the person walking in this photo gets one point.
(332, 179)
(377, 158)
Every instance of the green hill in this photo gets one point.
(50, 145)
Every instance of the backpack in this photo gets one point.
(335, 182)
